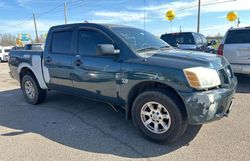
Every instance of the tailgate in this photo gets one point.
(237, 53)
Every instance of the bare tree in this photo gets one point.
(7, 39)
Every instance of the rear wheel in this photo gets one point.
(32, 91)
(1, 60)
(158, 117)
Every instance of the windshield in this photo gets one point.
(140, 40)
(178, 38)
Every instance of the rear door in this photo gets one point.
(58, 60)
(237, 46)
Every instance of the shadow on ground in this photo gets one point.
(81, 124)
(243, 83)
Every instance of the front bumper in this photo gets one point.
(207, 106)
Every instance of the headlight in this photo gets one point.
(202, 78)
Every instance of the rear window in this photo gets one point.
(61, 42)
(178, 38)
(238, 37)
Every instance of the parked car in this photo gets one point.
(4, 53)
(189, 41)
(34, 46)
(162, 89)
(235, 46)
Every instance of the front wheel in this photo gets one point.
(31, 90)
(158, 117)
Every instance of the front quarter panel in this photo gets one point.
(135, 73)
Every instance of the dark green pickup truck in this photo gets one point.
(161, 89)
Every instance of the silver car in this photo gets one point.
(235, 47)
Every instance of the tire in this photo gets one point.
(170, 116)
(1, 60)
(32, 92)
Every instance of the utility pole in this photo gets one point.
(34, 18)
(238, 22)
(199, 12)
(65, 13)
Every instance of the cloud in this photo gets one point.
(121, 16)
(23, 3)
(15, 27)
(4, 5)
(237, 5)
(213, 30)
(186, 8)
(207, 5)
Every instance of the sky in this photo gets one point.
(16, 15)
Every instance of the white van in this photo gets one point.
(4, 53)
(236, 48)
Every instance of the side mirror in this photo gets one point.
(106, 49)
(213, 42)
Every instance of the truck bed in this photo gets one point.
(26, 58)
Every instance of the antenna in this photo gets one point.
(144, 26)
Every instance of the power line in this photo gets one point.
(74, 4)
(204, 4)
(48, 11)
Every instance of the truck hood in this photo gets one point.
(186, 59)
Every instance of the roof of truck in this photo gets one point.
(91, 25)
(240, 28)
(97, 24)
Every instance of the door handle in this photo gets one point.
(78, 62)
(48, 59)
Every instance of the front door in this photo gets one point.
(95, 75)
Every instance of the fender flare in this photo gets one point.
(36, 68)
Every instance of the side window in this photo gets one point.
(89, 39)
(197, 39)
(62, 41)
(238, 37)
(204, 40)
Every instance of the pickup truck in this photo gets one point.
(162, 90)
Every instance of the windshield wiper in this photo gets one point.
(147, 49)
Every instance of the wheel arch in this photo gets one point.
(25, 68)
(141, 87)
